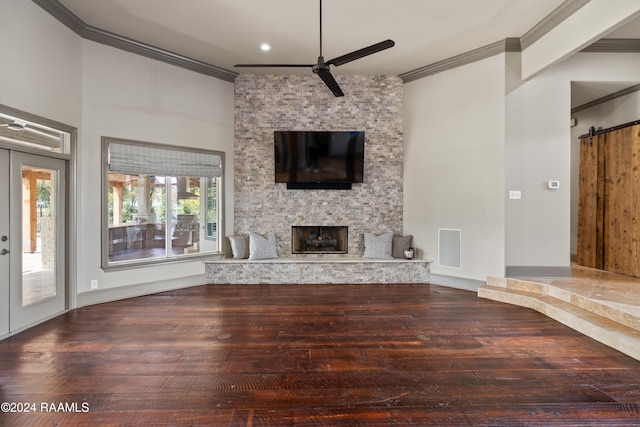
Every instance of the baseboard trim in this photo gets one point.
(31, 325)
(100, 296)
(537, 271)
(456, 282)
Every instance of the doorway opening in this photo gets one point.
(35, 154)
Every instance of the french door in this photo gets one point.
(32, 239)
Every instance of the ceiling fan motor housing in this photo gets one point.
(320, 66)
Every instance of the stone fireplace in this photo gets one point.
(268, 103)
(319, 239)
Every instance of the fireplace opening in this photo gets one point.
(318, 239)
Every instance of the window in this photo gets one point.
(30, 132)
(160, 203)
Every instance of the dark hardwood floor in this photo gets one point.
(325, 355)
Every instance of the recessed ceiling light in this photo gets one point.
(265, 47)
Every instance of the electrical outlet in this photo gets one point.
(515, 194)
(94, 283)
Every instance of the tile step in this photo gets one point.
(609, 332)
(616, 312)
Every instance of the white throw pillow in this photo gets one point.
(261, 247)
(379, 247)
(239, 247)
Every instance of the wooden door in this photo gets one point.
(621, 240)
(608, 203)
(590, 211)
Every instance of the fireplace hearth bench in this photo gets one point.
(316, 270)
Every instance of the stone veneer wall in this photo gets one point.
(316, 271)
(266, 103)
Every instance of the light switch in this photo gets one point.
(515, 194)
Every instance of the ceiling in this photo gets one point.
(226, 32)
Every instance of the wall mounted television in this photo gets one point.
(319, 159)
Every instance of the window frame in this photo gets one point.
(107, 265)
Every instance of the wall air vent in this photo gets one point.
(449, 248)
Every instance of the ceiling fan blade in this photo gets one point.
(331, 83)
(369, 50)
(275, 65)
(15, 125)
(52, 135)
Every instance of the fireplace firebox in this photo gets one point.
(318, 239)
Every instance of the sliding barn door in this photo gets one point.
(608, 201)
(621, 208)
(590, 198)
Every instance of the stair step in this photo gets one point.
(497, 281)
(612, 333)
(617, 312)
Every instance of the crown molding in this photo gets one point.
(614, 46)
(562, 12)
(134, 46)
(559, 14)
(607, 98)
(548, 23)
(75, 24)
(512, 44)
(487, 51)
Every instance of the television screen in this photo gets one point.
(319, 157)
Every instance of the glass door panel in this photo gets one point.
(38, 234)
(37, 217)
(4, 242)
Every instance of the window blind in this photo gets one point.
(140, 159)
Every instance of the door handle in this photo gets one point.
(4, 252)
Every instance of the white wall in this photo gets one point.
(41, 69)
(538, 151)
(132, 97)
(458, 144)
(454, 165)
(615, 112)
(53, 73)
(538, 227)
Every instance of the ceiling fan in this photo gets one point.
(15, 125)
(19, 125)
(321, 68)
